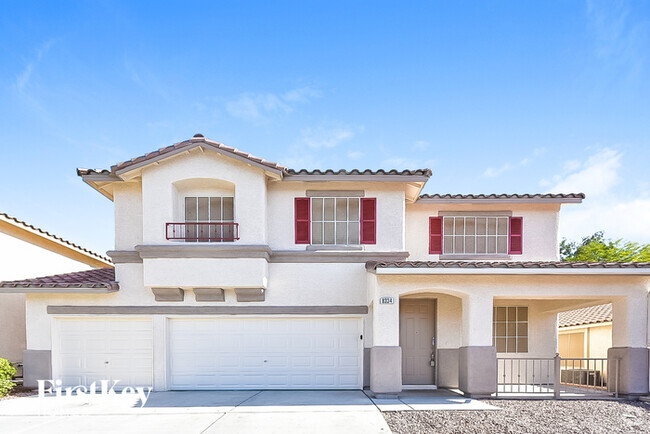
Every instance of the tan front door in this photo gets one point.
(416, 337)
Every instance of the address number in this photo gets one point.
(386, 300)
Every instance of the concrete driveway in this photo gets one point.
(197, 412)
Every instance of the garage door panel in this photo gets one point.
(87, 350)
(259, 353)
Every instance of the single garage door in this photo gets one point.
(265, 353)
(86, 350)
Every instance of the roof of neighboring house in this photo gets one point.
(39, 237)
(98, 278)
(487, 198)
(587, 315)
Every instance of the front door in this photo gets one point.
(416, 337)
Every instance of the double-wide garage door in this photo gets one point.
(214, 353)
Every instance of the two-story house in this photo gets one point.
(233, 272)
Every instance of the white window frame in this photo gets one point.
(464, 235)
(507, 336)
(210, 218)
(322, 220)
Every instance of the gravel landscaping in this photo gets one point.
(529, 417)
(18, 392)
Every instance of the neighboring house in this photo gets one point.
(28, 251)
(233, 272)
(585, 333)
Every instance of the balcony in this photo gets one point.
(202, 232)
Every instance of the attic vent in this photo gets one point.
(199, 135)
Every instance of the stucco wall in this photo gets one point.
(390, 212)
(127, 197)
(21, 260)
(160, 199)
(540, 228)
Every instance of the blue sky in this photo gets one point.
(493, 96)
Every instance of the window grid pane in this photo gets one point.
(510, 329)
(215, 209)
(475, 235)
(335, 220)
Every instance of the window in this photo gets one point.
(214, 218)
(335, 220)
(510, 332)
(475, 235)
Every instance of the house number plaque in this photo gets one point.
(386, 300)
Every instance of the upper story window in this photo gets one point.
(475, 235)
(335, 220)
(210, 219)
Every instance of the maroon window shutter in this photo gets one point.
(516, 242)
(303, 212)
(435, 235)
(368, 220)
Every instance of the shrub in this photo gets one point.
(7, 372)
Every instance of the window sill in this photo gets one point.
(333, 247)
(474, 257)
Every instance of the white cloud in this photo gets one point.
(257, 107)
(355, 155)
(325, 137)
(493, 172)
(420, 145)
(610, 206)
(597, 176)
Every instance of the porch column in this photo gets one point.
(386, 354)
(477, 362)
(629, 345)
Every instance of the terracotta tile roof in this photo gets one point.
(421, 172)
(192, 142)
(97, 278)
(15, 221)
(506, 264)
(587, 315)
(502, 196)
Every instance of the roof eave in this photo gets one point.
(277, 172)
(357, 178)
(511, 271)
(39, 289)
(495, 200)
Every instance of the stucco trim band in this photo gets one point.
(335, 193)
(319, 256)
(207, 310)
(124, 256)
(204, 251)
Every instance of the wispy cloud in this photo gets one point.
(598, 175)
(611, 205)
(23, 79)
(494, 172)
(407, 163)
(620, 36)
(325, 137)
(355, 155)
(258, 107)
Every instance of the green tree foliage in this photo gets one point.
(7, 372)
(596, 248)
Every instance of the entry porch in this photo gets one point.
(449, 330)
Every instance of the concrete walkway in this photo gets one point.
(197, 412)
(421, 400)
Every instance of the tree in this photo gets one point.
(596, 248)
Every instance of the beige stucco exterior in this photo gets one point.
(292, 276)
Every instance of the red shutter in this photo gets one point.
(516, 241)
(435, 235)
(369, 220)
(302, 216)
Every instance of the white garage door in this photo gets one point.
(87, 350)
(265, 353)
